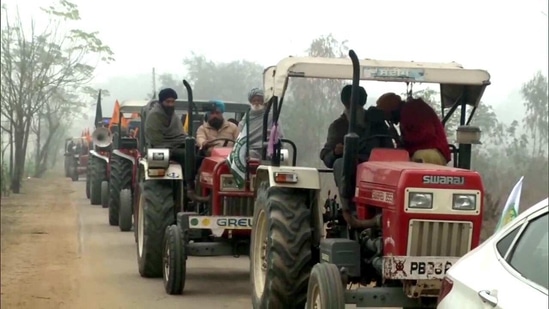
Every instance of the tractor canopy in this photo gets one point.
(455, 81)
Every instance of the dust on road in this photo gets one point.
(39, 246)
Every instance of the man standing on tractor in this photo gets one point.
(163, 129)
(215, 127)
(255, 122)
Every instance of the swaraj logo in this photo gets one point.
(443, 180)
(238, 223)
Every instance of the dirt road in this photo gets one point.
(58, 251)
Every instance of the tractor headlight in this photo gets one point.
(420, 200)
(464, 202)
(228, 183)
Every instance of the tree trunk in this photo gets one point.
(21, 137)
(11, 149)
(37, 158)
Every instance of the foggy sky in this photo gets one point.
(507, 38)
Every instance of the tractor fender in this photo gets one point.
(308, 179)
(173, 172)
(97, 155)
(123, 155)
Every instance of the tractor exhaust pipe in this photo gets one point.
(350, 155)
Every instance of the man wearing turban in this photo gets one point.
(163, 129)
(255, 122)
(215, 127)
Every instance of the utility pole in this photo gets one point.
(154, 83)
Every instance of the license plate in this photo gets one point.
(417, 267)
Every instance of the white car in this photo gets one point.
(507, 271)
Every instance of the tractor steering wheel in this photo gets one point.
(227, 140)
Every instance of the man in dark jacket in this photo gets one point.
(333, 148)
(163, 129)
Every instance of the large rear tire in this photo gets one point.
(175, 261)
(121, 178)
(156, 213)
(98, 174)
(325, 288)
(125, 215)
(281, 255)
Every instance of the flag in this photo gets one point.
(115, 115)
(511, 209)
(98, 110)
(239, 154)
(186, 124)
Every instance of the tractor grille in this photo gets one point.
(238, 206)
(439, 238)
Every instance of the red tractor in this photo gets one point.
(429, 215)
(123, 166)
(175, 218)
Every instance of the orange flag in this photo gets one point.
(115, 114)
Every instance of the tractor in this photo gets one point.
(76, 157)
(170, 212)
(123, 167)
(97, 180)
(429, 215)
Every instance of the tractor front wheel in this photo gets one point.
(175, 261)
(281, 255)
(125, 215)
(325, 288)
(156, 213)
(88, 178)
(105, 194)
(98, 174)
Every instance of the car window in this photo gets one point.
(530, 254)
(504, 243)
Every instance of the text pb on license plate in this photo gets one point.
(416, 267)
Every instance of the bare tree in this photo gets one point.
(38, 66)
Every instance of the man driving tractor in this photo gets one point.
(163, 129)
(216, 127)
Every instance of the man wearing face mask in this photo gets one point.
(215, 127)
(255, 122)
(163, 129)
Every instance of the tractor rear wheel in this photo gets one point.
(97, 175)
(281, 255)
(175, 260)
(125, 215)
(325, 288)
(156, 213)
(105, 194)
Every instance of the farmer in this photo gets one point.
(423, 133)
(215, 127)
(255, 122)
(163, 129)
